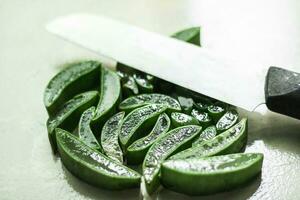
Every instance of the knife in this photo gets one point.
(242, 84)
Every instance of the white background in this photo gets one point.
(266, 32)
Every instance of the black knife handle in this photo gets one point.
(282, 91)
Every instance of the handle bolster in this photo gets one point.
(282, 91)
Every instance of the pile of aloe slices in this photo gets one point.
(102, 122)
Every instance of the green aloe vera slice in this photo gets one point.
(215, 112)
(190, 35)
(209, 175)
(170, 143)
(110, 94)
(74, 79)
(204, 119)
(143, 84)
(92, 166)
(230, 141)
(229, 119)
(134, 102)
(110, 139)
(186, 104)
(85, 132)
(68, 117)
(181, 119)
(137, 123)
(137, 150)
(208, 134)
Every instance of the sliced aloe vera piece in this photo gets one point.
(229, 119)
(143, 84)
(190, 35)
(216, 112)
(134, 102)
(85, 132)
(137, 150)
(150, 78)
(186, 104)
(68, 117)
(181, 119)
(170, 143)
(110, 94)
(230, 141)
(110, 139)
(204, 119)
(129, 87)
(198, 176)
(208, 134)
(74, 79)
(92, 166)
(138, 122)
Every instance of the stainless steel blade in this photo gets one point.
(240, 84)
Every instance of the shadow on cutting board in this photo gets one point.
(91, 192)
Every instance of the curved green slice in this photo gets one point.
(84, 130)
(198, 176)
(208, 134)
(110, 94)
(121, 75)
(134, 102)
(150, 78)
(186, 104)
(170, 143)
(229, 119)
(129, 84)
(110, 139)
(191, 35)
(138, 122)
(74, 79)
(181, 119)
(215, 112)
(143, 84)
(204, 119)
(68, 117)
(129, 87)
(137, 150)
(230, 141)
(92, 166)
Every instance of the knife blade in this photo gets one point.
(234, 82)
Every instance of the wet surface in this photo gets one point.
(84, 130)
(136, 119)
(227, 120)
(92, 159)
(231, 139)
(182, 118)
(161, 126)
(225, 163)
(69, 107)
(164, 147)
(266, 32)
(110, 137)
(207, 134)
(145, 99)
(145, 85)
(66, 77)
(111, 91)
(186, 104)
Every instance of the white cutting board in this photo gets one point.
(265, 32)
